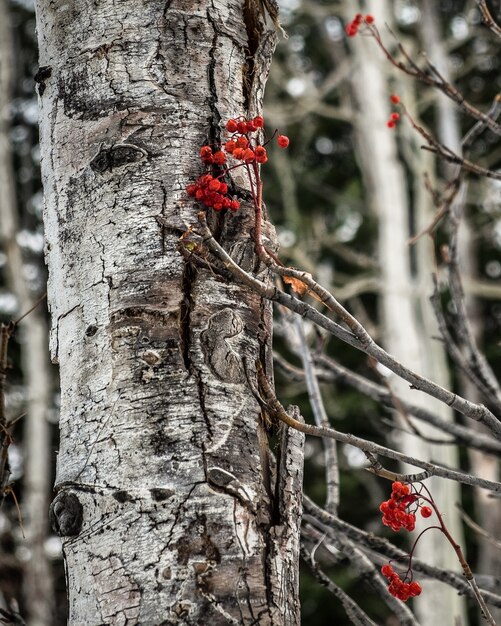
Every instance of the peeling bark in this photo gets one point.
(160, 439)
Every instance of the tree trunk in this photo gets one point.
(164, 492)
(38, 589)
(449, 133)
(408, 325)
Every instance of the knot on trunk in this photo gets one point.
(66, 515)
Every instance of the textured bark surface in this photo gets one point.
(159, 428)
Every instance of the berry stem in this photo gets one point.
(461, 558)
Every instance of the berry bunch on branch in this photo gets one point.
(243, 148)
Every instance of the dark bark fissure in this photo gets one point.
(189, 278)
(254, 27)
(215, 118)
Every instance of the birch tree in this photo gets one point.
(167, 503)
(171, 505)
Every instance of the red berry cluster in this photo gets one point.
(398, 587)
(211, 190)
(394, 117)
(394, 510)
(213, 193)
(352, 27)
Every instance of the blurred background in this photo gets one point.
(345, 198)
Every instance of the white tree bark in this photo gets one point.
(449, 133)
(408, 326)
(164, 497)
(37, 580)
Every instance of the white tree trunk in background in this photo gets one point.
(408, 326)
(164, 497)
(449, 133)
(37, 578)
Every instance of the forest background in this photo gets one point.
(320, 197)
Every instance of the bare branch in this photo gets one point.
(358, 337)
(353, 611)
(321, 419)
(488, 19)
(271, 403)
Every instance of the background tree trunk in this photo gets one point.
(38, 589)
(408, 324)
(166, 502)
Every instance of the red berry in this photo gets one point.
(238, 153)
(219, 158)
(232, 126)
(358, 18)
(243, 142)
(387, 571)
(214, 185)
(242, 127)
(229, 146)
(191, 190)
(415, 589)
(235, 204)
(258, 121)
(283, 141)
(369, 19)
(249, 155)
(260, 153)
(395, 99)
(390, 124)
(395, 117)
(426, 511)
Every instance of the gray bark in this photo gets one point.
(37, 580)
(164, 488)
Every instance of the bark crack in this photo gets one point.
(188, 280)
(254, 27)
(213, 90)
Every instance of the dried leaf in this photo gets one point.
(296, 285)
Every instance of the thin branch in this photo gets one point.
(446, 153)
(488, 19)
(475, 374)
(353, 611)
(438, 82)
(269, 401)
(321, 419)
(464, 435)
(367, 572)
(358, 337)
(377, 469)
(478, 529)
